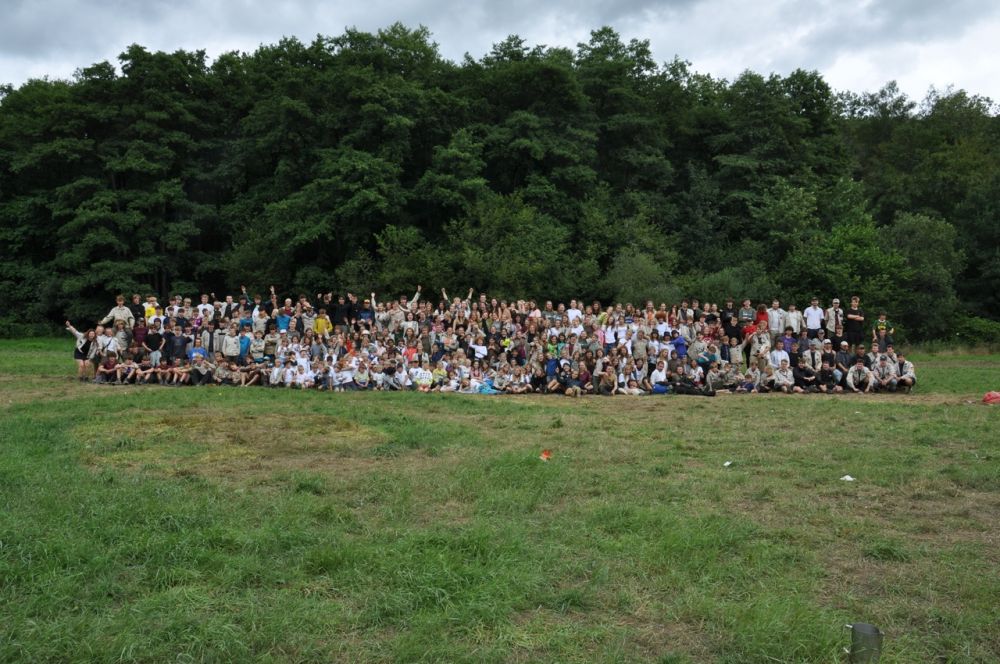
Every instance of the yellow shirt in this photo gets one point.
(322, 326)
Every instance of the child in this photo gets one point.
(107, 370)
(127, 371)
(303, 378)
(288, 375)
(276, 375)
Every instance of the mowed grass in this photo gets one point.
(229, 525)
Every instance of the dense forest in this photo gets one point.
(369, 162)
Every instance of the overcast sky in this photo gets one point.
(856, 44)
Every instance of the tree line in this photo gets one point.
(369, 162)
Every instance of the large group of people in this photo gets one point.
(484, 345)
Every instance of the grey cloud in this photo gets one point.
(732, 35)
(890, 22)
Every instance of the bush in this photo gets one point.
(13, 328)
(973, 331)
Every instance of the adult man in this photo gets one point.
(885, 375)
(659, 379)
(834, 318)
(813, 356)
(776, 320)
(844, 362)
(814, 318)
(779, 355)
(784, 379)
(746, 313)
(573, 312)
(793, 319)
(729, 310)
(760, 345)
(906, 377)
(205, 309)
(859, 354)
(343, 312)
(859, 378)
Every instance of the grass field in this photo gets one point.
(155, 524)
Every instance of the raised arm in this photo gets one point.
(73, 330)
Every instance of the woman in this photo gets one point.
(85, 350)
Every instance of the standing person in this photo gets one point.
(794, 320)
(814, 316)
(86, 348)
(834, 318)
(138, 308)
(119, 312)
(776, 320)
(760, 346)
(854, 322)
(231, 345)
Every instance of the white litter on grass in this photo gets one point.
(847, 478)
(727, 464)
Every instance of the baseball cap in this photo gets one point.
(843, 343)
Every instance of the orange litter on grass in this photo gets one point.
(546, 455)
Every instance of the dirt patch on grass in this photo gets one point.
(241, 446)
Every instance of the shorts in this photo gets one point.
(78, 355)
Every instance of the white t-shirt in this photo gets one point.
(814, 317)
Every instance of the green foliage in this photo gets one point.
(514, 248)
(366, 160)
(926, 303)
(973, 331)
